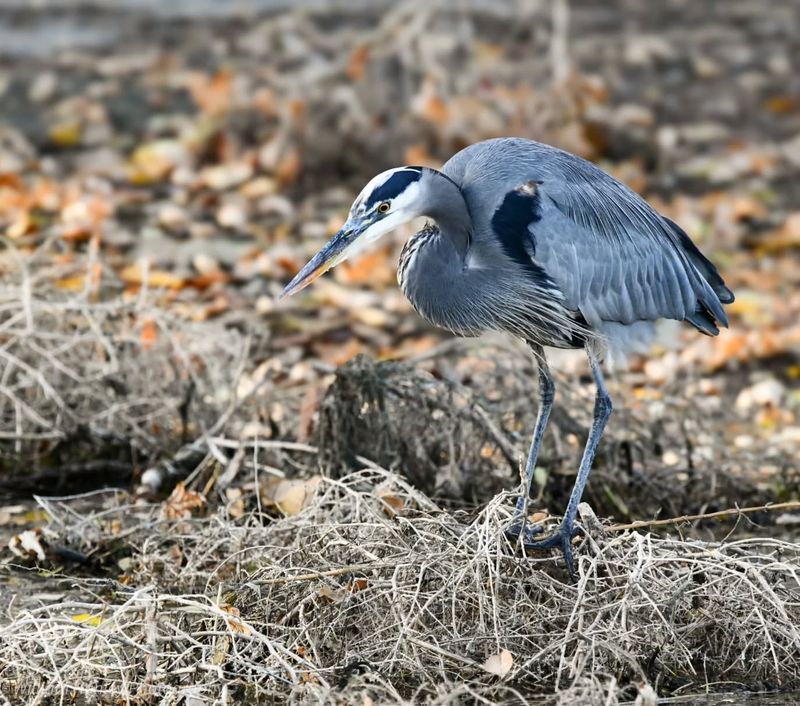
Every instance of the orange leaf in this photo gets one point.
(373, 268)
(76, 283)
(435, 110)
(212, 94)
(181, 502)
(786, 237)
(781, 105)
(288, 168)
(418, 154)
(338, 353)
(357, 64)
(149, 334)
(135, 274)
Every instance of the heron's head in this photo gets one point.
(392, 198)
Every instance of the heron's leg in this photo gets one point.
(546, 396)
(602, 411)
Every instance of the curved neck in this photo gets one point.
(445, 204)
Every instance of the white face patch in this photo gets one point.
(404, 207)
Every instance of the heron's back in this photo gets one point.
(616, 261)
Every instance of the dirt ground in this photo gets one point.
(345, 470)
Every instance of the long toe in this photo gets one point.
(560, 540)
(528, 532)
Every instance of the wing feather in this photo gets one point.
(614, 257)
(625, 262)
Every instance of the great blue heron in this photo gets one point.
(535, 241)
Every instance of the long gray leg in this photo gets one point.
(602, 411)
(546, 395)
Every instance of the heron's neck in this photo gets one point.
(446, 206)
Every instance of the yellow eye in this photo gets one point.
(384, 207)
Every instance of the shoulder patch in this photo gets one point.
(511, 221)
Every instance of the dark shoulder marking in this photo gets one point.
(511, 221)
(394, 185)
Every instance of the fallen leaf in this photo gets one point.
(786, 237)
(154, 161)
(288, 168)
(66, 134)
(181, 502)
(27, 544)
(212, 94)
(372, 268)
(291, 496)
(392, 503)
(781, 105)
(234, 623)
(235, 498)
(308, 412)
(137, 274)
(499, 664)
(148, 334)
(357, 63)
(88, 619)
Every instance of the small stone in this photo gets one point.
(232, 215)
(43, 87)
(670, 458)
(767, 392)
(172, 217)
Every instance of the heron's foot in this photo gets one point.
(519, 526)
(562, 539)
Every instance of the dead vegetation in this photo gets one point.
(371, 591)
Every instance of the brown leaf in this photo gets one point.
(148, 334)
(234, 623)
(288, 168)
(374, 268)
(781, 105)
(357, 63)
(291, 496)
(357, 585)
(181, 502)
(786, 237)
(308, 411)
(393, 504)
(212, 94)
(136, 274)
(338, 353)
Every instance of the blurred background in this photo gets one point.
(165, 168)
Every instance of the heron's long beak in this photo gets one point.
(333, 253)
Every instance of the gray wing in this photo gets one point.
(612, 255)
(616, 259)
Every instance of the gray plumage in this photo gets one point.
(605, 256)
(532, 240)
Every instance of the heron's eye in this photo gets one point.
(384, 207)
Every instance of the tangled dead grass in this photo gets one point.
(374, 592)
(93, 380)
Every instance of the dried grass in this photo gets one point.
(82, 379)
(374, 591)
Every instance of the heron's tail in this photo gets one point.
(709, 310)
